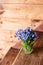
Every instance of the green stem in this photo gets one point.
(27, 47)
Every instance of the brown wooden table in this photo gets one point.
(10, 56)
(36, 58)
(16, 56)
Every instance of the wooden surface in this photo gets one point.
(14, 54)
(36, 58)
(40, 28)
(1, 9)
(15, 14)
(39, 41)
(10, 56)
(24, 1)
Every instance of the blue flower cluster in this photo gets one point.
(26, 34)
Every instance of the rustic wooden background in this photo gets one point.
(15, 14)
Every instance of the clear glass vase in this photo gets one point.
(28, 49)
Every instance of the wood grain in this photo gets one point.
(24, 1)
(36, 58)
(39, 41)
(17, 14)
(37, 54)
(40, 28)
(10, 56)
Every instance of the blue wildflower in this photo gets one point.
(26, 35)
(35, 34)
(19, 32)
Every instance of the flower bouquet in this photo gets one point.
(27, 37)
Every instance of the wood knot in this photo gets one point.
(0, 59)
(36, 20)
(1, 22)
(11, 37)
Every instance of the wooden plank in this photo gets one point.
(10, 56)
(24, 1)
(36, 58)
(23, 11)
(21, 15)
(18, 45)
(40, 28)
(39, 41)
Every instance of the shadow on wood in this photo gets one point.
(39, 41)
